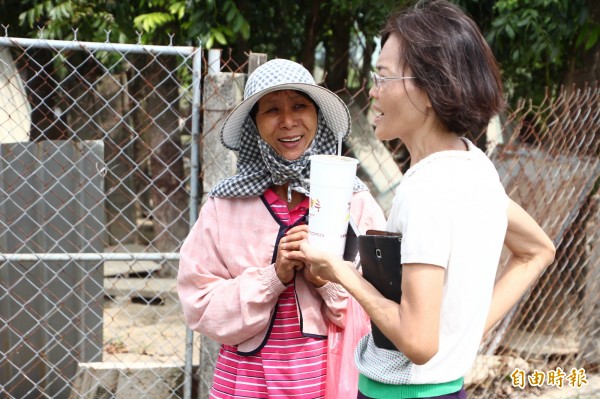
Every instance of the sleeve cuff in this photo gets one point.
(272, 282)
(332, 291)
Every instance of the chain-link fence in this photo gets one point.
(548, 158)
(95, 191)
(549, 161)
(105, 146)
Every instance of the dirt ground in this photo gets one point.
(591, 390)
(143, 322)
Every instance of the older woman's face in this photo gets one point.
(287, 121)
(400, 107)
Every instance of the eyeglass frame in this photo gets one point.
(378, 80)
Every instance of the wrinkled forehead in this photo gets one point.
(287, 93)
(276, 96)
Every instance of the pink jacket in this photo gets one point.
(227, 284)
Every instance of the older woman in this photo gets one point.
(242, 279)
(436, 82)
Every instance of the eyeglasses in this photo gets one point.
(378, 80)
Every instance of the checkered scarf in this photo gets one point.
(260, 167)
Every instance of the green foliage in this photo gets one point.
(295, 30)
(215, 22)
(61, 18)
(154, 20)
(150, 22)
(535, 41)
(275, 27)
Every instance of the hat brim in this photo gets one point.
(334, 111)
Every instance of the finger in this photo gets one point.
(296, 256)
(292, 245)
(299, 228)
(296, 237)
(290, 265)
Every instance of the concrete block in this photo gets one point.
(108, 380)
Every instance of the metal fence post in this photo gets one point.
(193, 214)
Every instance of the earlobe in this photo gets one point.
(428, 103)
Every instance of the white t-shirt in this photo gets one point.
(451, 209)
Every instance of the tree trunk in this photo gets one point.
(160, 132)
(169, 198)
(311, 32)
(367, 61)
(338, 52)
(100, 114)
(41, 91)
(588, 67)
(238, 52)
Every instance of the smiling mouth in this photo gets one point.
(291, 139)
(375, 108)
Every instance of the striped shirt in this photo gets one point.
(290, 365)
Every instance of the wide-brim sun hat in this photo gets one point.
(281, 74)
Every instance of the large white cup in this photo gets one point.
(331, 183)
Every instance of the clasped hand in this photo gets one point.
(290, 259)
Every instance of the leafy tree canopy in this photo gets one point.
(147, 21)
(535, 41)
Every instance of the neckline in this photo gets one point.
(466, 154)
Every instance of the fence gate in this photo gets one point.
(98, 170)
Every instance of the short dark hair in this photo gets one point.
(451, 61)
